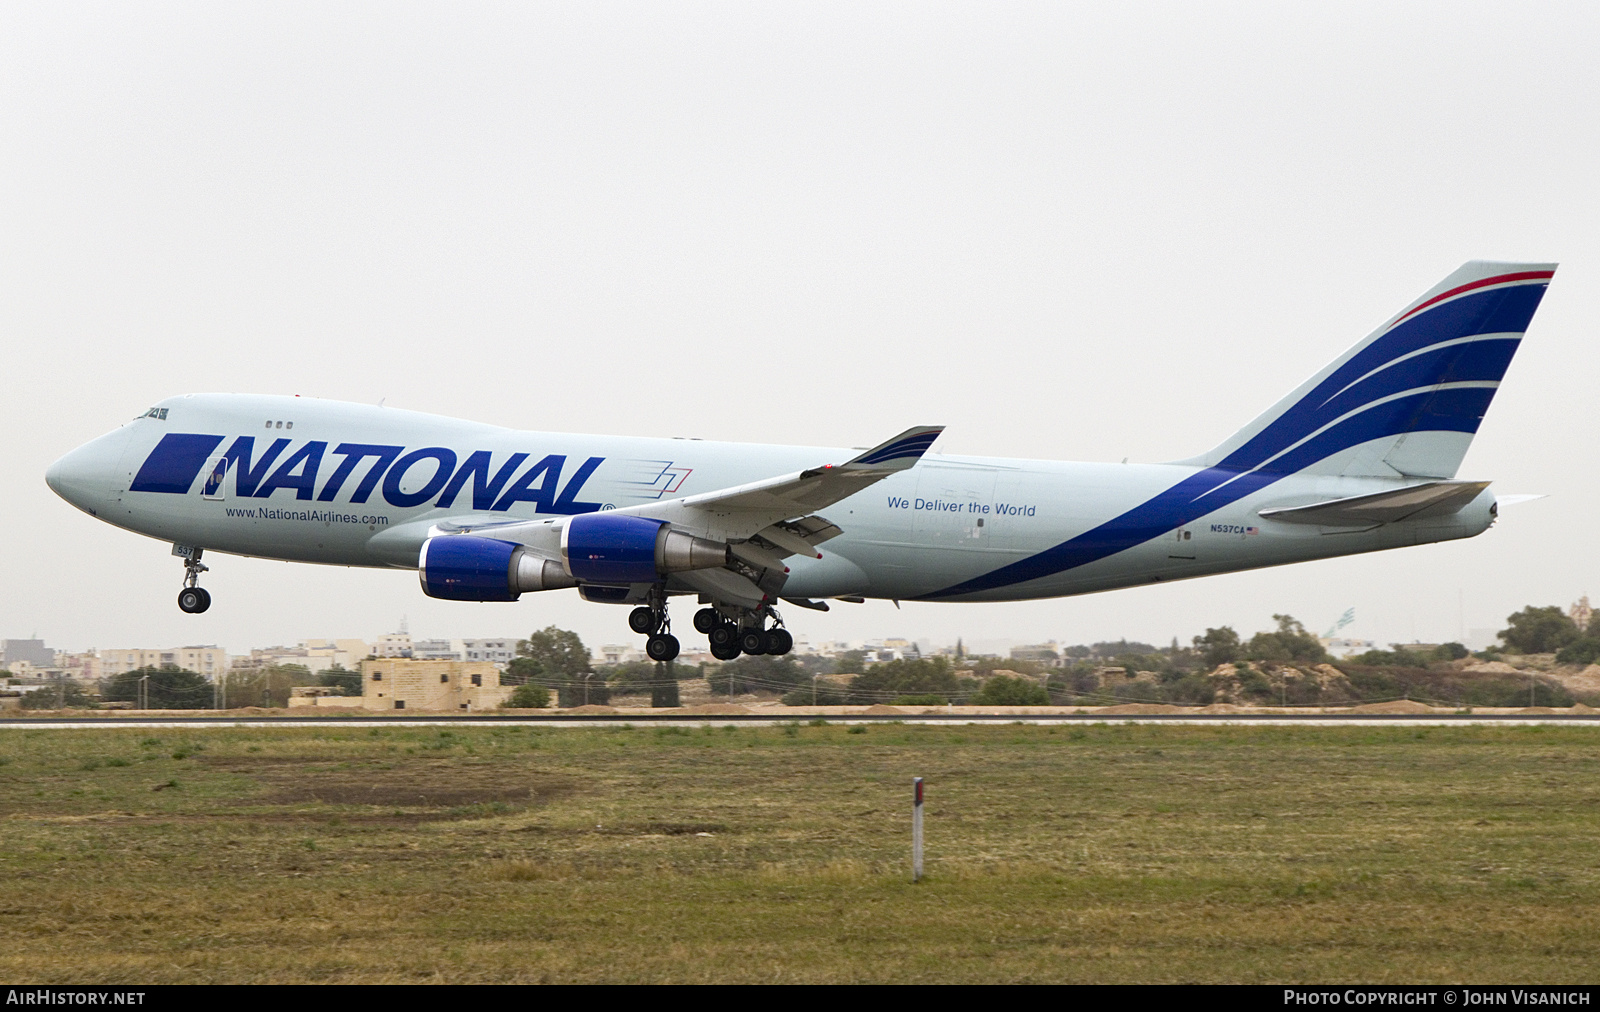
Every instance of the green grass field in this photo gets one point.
(1106, 853)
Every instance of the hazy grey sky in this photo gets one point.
(1065, 231)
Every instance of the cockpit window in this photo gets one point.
(160, 413)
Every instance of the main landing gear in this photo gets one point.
(745, 633)
(193, 598)
(732, 631)
(652, 621)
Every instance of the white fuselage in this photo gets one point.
(922, 533)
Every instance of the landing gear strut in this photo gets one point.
(651, 619)
(745, 633)
(193, 598)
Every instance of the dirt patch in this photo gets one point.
(1132, 708)
(407, 795)
(413, 785)
(590, 708)
(717, 709)
(1395, 706)
(884, 709)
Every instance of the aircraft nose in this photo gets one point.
(84, 476)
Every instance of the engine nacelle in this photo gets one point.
(613, 548)
(461, 567)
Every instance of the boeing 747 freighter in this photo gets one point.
(1361, 457)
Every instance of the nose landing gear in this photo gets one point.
(193, 598)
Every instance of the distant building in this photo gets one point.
(209, 660)
(497, 651)
(618, 653)
(84, 667)
(1340, 646)
(1041, 653)
(1580, 613)
(393, 645)
(405, 684)
(32, 651)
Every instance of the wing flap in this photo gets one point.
(1434, 498)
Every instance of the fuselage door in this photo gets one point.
(215, 487)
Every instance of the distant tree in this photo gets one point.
(1003, 690)
(1451, 652)
(1538, 630)
(664, 685)
(1584, 651)
(762, 673)
(557, 659)
(1219, 646)
(1290, 643)
(268, 686)
(170, 688)
(815, 693)
(885, 681)
(851, 662)
(347, 682)
(629, 677)
(1108, 649)
(64, 695)
(528, 696)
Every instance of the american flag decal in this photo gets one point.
(1252, 530)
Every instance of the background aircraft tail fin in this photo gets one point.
(1407, 400)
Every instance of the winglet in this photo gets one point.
(896, 454)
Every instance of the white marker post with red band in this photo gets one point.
(916, 829)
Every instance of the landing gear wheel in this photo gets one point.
(725, 652)
(724, 635)
(193, 600)
(706, 619)
(779, 641)
(753, 641)
(643, 620)
(661, 647)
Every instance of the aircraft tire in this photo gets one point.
(753, 642)
(724, 635)
(725, 652)
(642, 620)
(661, 647)
(779, 641)
(193, 600)
(706, 619)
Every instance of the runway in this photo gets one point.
(764, 720)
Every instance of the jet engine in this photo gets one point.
(613, 548)
(461, 567)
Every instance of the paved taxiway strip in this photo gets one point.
(753, 720)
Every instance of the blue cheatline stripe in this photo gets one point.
(914, 446)
(1485, 359)
(1273, 454)
(174, 463)
(1499, 311)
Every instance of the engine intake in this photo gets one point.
(461, 567)
(608, 548)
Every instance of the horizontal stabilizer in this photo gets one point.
(1435, 498)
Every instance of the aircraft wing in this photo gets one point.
(780, 509)
(1434, 498)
